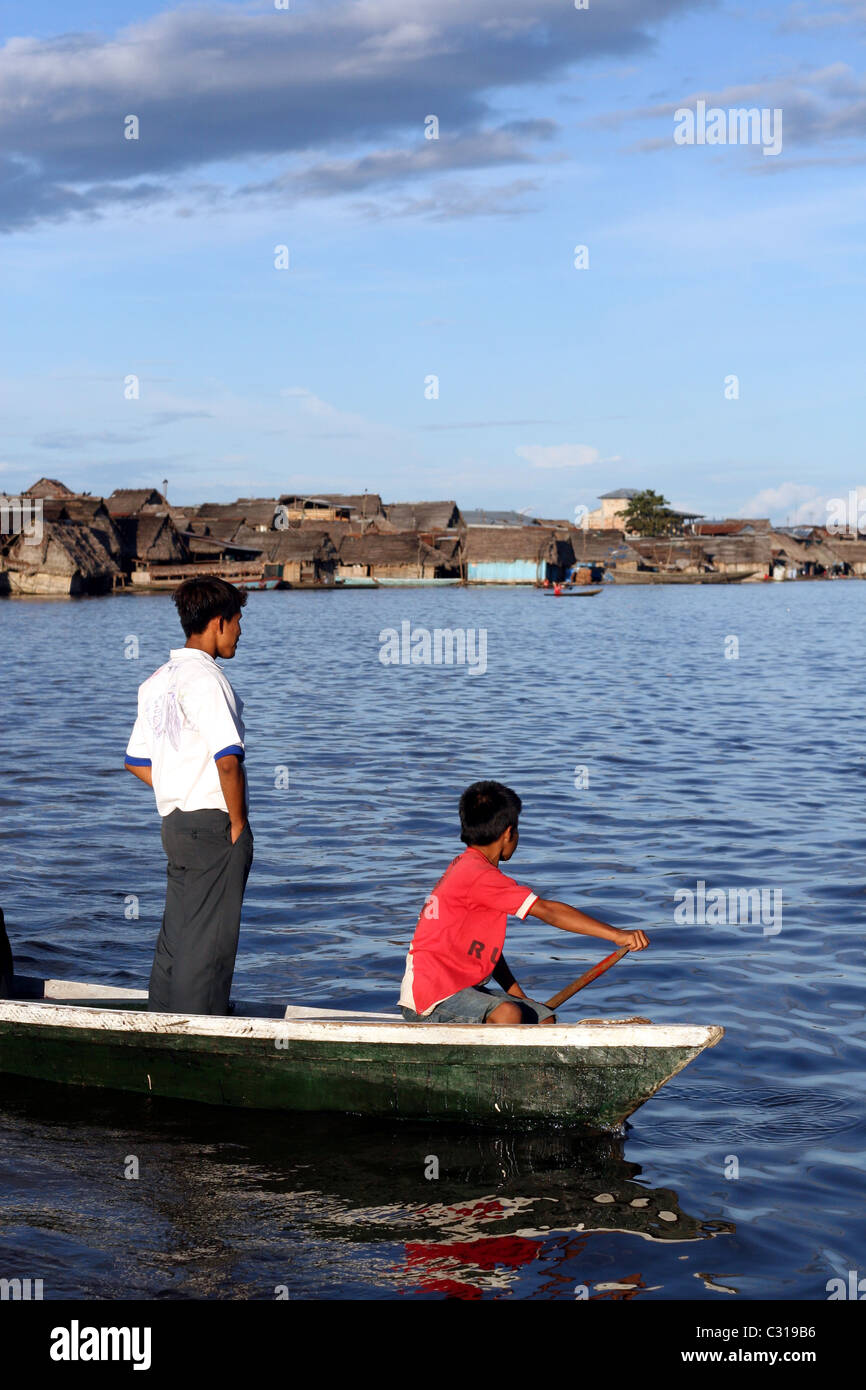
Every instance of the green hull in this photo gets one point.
(592, 1086)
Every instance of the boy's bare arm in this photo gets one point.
(144, 774)
(505, 980)
(233, 783)
(569, 919)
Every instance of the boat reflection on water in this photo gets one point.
(502, 1203)
(230, 1204)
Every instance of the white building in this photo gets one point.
(608, 517)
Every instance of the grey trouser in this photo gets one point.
(207, 874)
(475, 1004)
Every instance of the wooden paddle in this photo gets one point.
(588, 978)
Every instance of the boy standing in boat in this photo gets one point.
(188, 745)
(457, 947)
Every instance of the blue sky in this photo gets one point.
(411, 257)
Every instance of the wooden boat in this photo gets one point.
(417, 583)
(590, 1074)
(574, 593)
(674, 577)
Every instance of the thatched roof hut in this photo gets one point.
(225, 519)
(256, 513)
(811, 554)
(299, 543)
(515, 554)
(506, 543)
(125, 501)
(48, 487)
(300, 556)
(220, 528)
(738, 553)
(603, 547)
(400, 556)
(424, 516)
(90, 512)
(682, 553)
(847, 552)
(69, 559)
(147, 539)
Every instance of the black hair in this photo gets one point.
(200, 600)
(486, 811)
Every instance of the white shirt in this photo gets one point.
(188, 716)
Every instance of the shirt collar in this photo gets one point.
(184, 653)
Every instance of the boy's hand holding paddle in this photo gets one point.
(570, 919)
(632, 940)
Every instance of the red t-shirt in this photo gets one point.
(461, 930)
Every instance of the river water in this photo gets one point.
(660, 738)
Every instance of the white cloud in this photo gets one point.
(349, 80)
(311, 404)
(772, 498)
(305, 407)
(562, 455)
(794, 504)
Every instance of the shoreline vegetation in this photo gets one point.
(136, 541)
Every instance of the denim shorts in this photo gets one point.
(475, 1004)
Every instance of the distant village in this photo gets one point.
(136, 540)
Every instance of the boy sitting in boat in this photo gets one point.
(457, 947)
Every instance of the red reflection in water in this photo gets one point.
(484, 1254)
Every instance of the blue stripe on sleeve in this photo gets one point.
(234, 748)
(136, 762)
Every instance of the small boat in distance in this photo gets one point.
(590, 1074)
(568, 591)
(392, 583)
